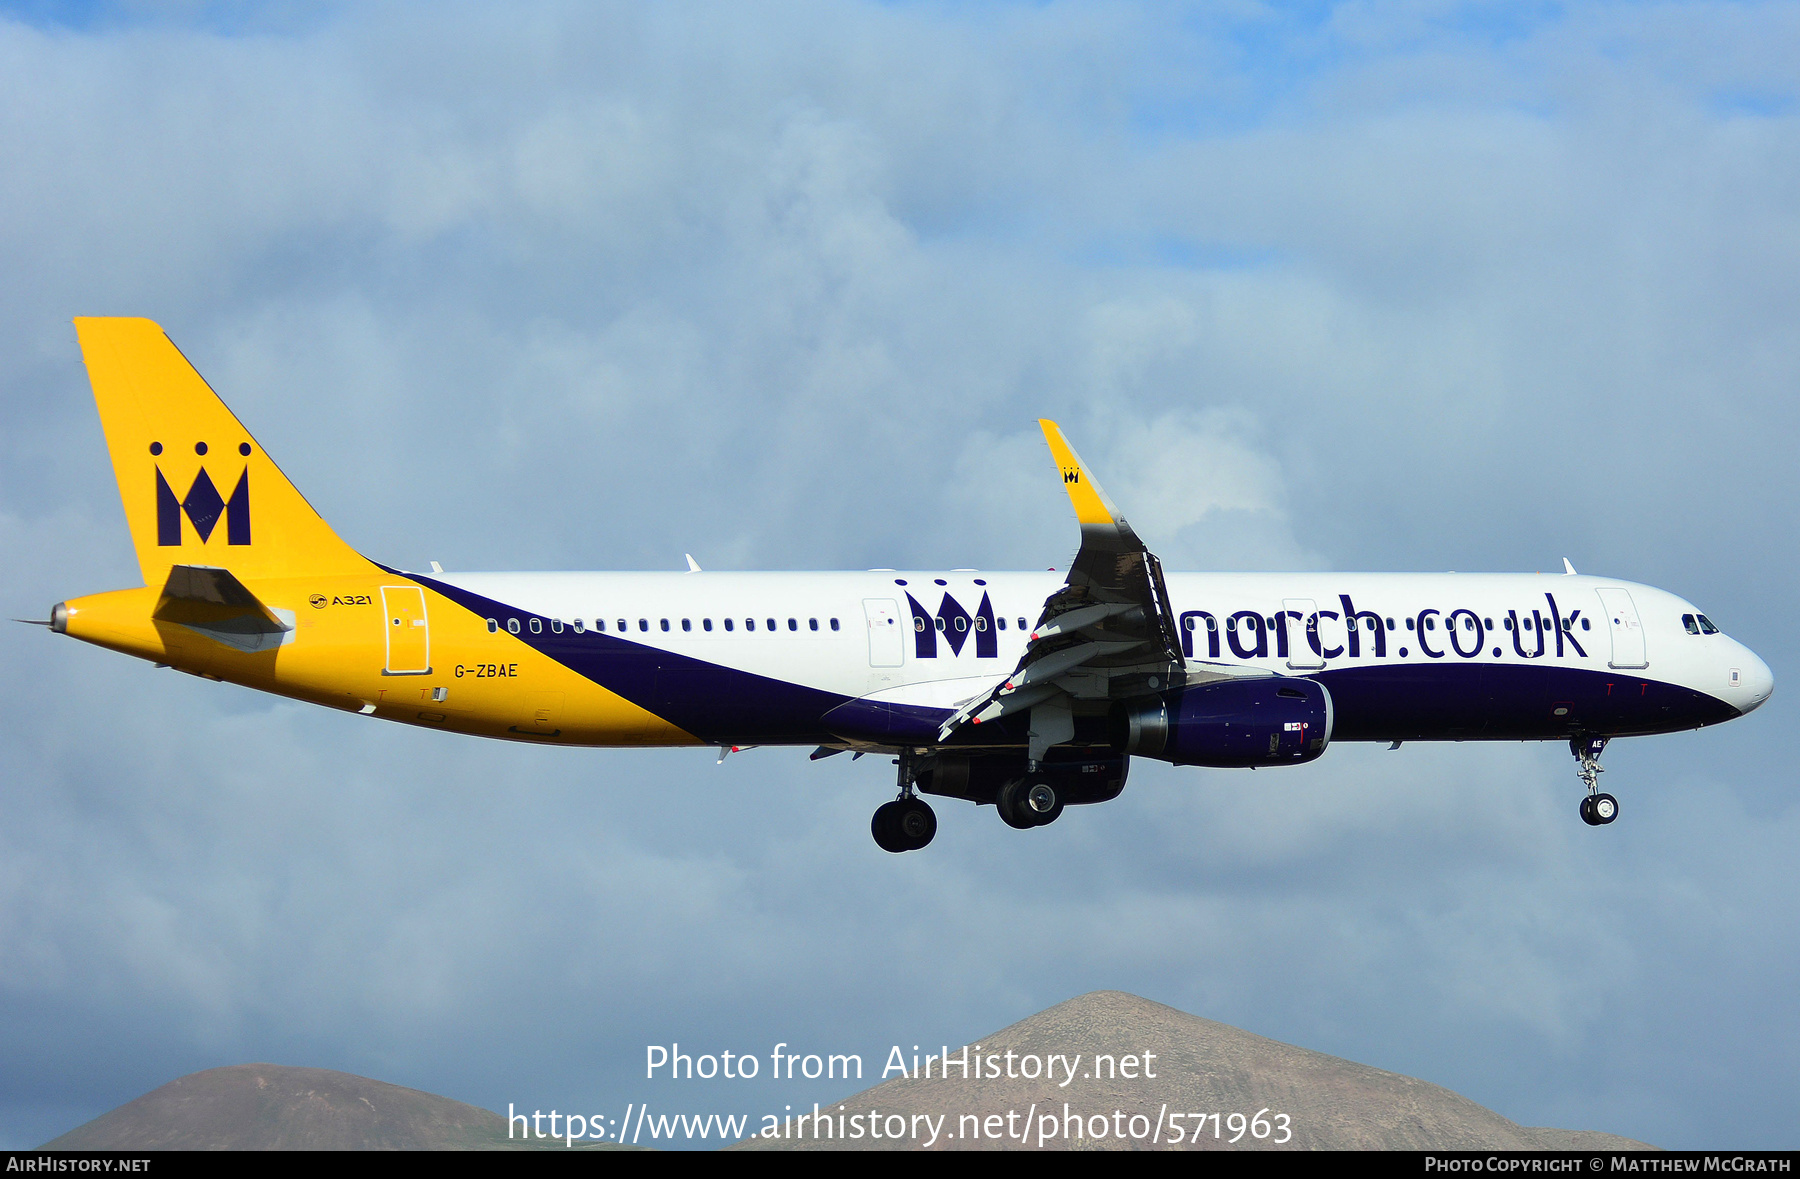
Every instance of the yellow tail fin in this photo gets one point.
(198, 490)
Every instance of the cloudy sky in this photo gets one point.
(1412, 286)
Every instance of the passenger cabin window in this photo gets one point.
(687, 624)
(599, 624)
(1000, 622)
(749, 624)
(793, 624)
(537, 626)
(665, 624)
(834, 624)
(771, 623)
(493, 626)
(512, 625)
(706, 624)
(812, 624)
(622, 626)
(643, 624)
(1021, 624)
(578, 626)
(556, 626)
(728, 624)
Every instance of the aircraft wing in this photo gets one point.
(1108, 633)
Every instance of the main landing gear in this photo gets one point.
(1597, 809)
(907, 823)
(1027, 803)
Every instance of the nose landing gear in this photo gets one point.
(907, 823)
(1597, 809)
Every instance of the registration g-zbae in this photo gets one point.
(1025, 691)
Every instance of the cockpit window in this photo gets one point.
(1706, 625)
(1693, 627)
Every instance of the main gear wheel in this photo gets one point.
(906, 824)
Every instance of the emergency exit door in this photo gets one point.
(886, 636)
(1300, 622)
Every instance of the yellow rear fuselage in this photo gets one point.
(348, 649)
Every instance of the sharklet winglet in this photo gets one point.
(1092, 505)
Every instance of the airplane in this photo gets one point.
(1026, 691)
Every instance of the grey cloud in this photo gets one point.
(561, 287)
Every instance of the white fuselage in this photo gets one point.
(1470, 655)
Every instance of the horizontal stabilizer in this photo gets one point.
(214, 603)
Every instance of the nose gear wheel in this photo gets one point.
(1599, 809)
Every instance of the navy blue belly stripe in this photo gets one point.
(719, 705)
(1419, 701)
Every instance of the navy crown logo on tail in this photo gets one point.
(203, 505)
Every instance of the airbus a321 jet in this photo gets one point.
(1025, 691)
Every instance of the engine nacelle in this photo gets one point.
(1263, 722)
(1077, 776)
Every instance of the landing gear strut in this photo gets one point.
(1597, 809)
(908, 822)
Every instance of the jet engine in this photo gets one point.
(1276, 721)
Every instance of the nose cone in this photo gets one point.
(1754, 682)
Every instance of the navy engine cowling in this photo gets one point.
(1276, 721)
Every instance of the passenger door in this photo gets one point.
(1621, 618)
(408, 633)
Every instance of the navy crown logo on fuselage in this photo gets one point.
(203, 505)
(956, 625)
